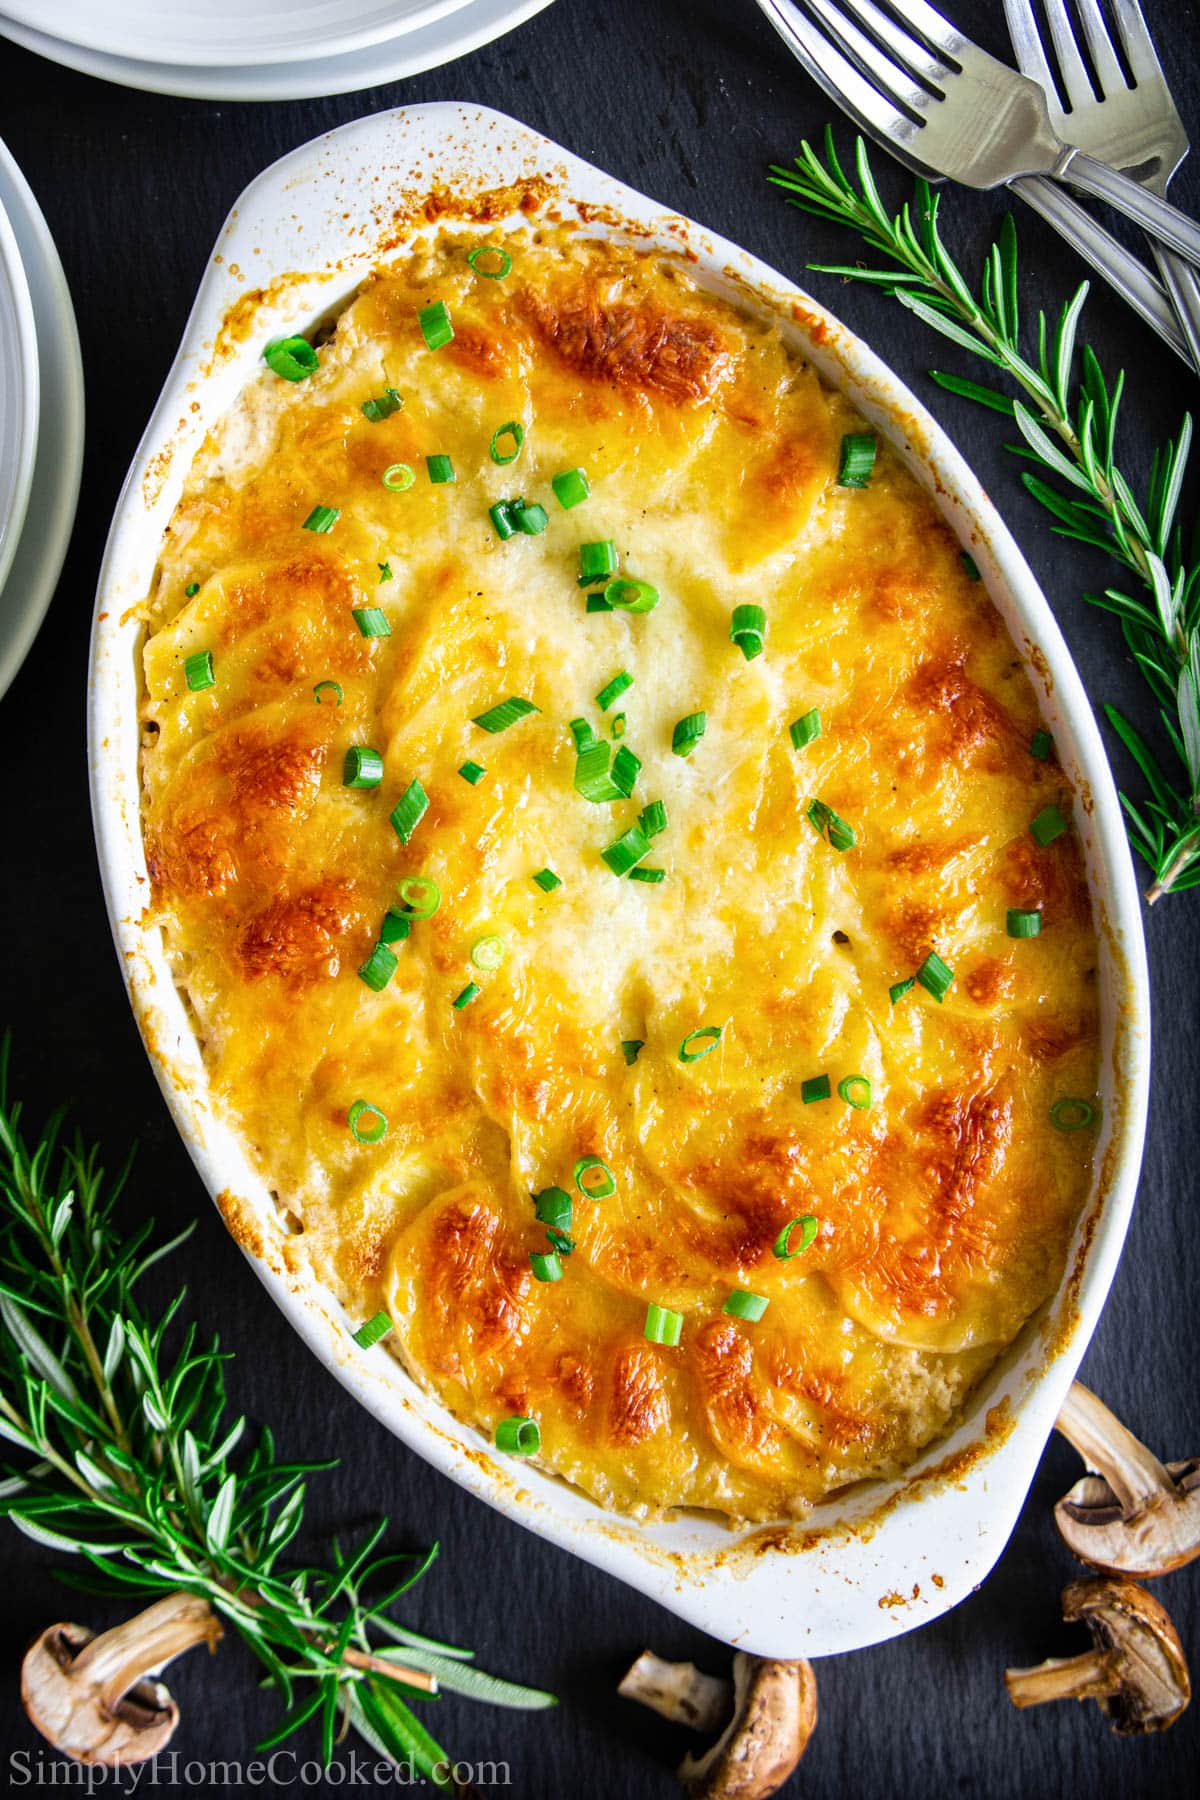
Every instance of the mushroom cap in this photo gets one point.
(1162, 1536)
(74, 1717)
(774, 1715)
(1124, 1618)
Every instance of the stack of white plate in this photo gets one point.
(41, 417)
(272, 50)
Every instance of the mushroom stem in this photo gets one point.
(113, 1662)
(679, 1691)
(1089, 1676)
(1134, 1474)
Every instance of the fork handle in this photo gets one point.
(1119, 266)
(1158, 218)
(1183, 286)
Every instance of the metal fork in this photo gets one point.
(1135, 129)
(952, 109)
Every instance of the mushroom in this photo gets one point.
(1135, 1515)
(95, 1699)
(1136, 1670)
(769, 1712)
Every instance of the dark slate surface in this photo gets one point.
(689, 102)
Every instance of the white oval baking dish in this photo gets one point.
(883, 1557)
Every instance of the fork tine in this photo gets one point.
(1076, 82)
(914, 55)
(932, 25)
(1027, 42)
(895, 82)
(1109, 72)
(836, 74)
(1136, 41)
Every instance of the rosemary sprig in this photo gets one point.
(116, 1444)
(1069, 432)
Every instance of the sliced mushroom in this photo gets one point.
(771, 1709)
(1135, 1515)
(94, 1697)
(1136, 1671)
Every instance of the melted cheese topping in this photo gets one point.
(944, 1209)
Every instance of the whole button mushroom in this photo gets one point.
(1136, 1671)
(1135, 1515)
(769, 1712)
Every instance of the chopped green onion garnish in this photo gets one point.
(746, 1306)
(322, 518)
(804, 729)
(596, 603)
(487, 953)
(570, 488)
(935, 976)
(747, 629)
(560, 1240)
(900, 988)
(409, 810)
(385, 571)
(501, 515)
(554, 1206)
(440, 469)
(856, 460)
(367, 1123)
(473, 772)
(503, 261)
(292, 357)
(1048, 825)
(398, 477)
(471, 992)
(707, 1036)
(371, 622)
(625, 770)
(547, 880)
(192, 589)
(662, 1325)
(395, 927)
(383, 406)
(815, 1088)
(434, 321)
(519, 1436)
(592, 777)
(855, 1090)
(513, 430)
(597, 561)
(198, 670)
(532, 519)
(631, 1049)
(419, 895)
(333, 688)
(644, 873)
(1023, 924)
(363, 767)
(372, 1331)
(627, 850)
(379, 968)
(582, 733)
(970, 565)
(1040, 745)
(1072, 1115)
(612, 690)
(607, 1184)
(688, 732)
(830, 826)
(505, 713)
(653, 818)
(546, 1265)
(617, 725)
(783, 1247)
(626, 595)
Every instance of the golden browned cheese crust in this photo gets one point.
(943, 1209)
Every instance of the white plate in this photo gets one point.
(38, 562)
(428, 46)
(227, 33)
(886, 1555)
(18, 400)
